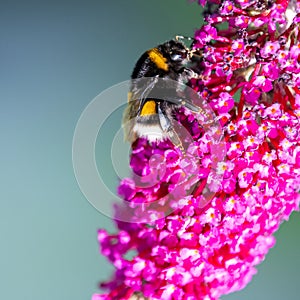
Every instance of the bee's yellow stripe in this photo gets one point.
(158, 59)
(149, 108)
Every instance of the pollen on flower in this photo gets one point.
(284, 169)
(222, 167)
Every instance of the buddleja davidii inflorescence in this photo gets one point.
(250, 78)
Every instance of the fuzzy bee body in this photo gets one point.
(156, 92)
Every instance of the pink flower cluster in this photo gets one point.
(250, 76)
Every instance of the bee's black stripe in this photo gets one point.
(150, 64)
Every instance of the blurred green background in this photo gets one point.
(56, 56)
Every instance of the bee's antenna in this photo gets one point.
(182, 37)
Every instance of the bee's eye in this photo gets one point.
(178, 56)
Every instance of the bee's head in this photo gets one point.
(176, 52)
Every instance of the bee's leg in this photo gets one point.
(186, 74)
(177, 100)
(187, 104)
(167, 127)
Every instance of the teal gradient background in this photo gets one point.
(56, 56)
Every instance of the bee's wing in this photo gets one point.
(129, 116)
(137, 96)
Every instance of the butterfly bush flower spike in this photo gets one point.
(193, 244)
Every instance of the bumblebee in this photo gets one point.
(156, 92)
